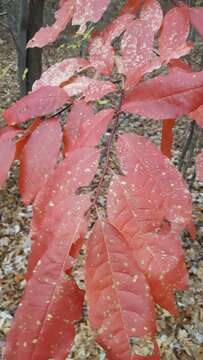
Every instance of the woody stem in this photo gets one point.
(108, 152)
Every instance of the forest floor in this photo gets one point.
(180, 338)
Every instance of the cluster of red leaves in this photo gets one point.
(134, 256)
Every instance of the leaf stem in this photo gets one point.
(108, 152)
(60, 111)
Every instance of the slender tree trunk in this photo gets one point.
(34, 56)
(22, 41)
(29, 15)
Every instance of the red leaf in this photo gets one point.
(37, 103)
(136, 152)
(180, 65)
(39, 158)
(197, 115)
(88, 10)
(42, 333)
(49, 34)
(121, 309)
(175, 30)
(131, 6)
(100, 49)
(89, 88)
(150, 207)
(199, 166)
(75, 171)
(79, 114)
(52, 301)
(167, 137)
(84, 128)
(117, 27)
(196, 18)
(101, 55)
(7, 151)
(152, 13)
(56, 74)
(136, 51)
(25, 137)
(62, 2)
(166, 96)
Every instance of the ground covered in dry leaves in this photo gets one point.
(180, 338)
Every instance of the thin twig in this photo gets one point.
(192, 181)
(12, 34)
(191, 149)
(187, 145)
(59, 111)
(156, 52)
(175, 2)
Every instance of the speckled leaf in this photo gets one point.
(44, 323)
(7, 151)
(75, 171)
(121, 309)
(89, 10)
(38, 103)
(167, 137)
(152, 13)
(49, 34)
(136, 152)
(80, 112)
(88, 88)
(131, 6)
(199, 166)
(136, 51)
(39, 158)
(174, 33)
(196, 18)
(156, 249)
(117, 27)
(83, 127)
(166, 96)
(150, 206)
(56, 74)
(197, 115)
(101, 55)
(100, 49)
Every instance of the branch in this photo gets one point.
(187, 145)
(175, 2)
(107, 151)
(188, 161)
(12, 34)
(192, 181)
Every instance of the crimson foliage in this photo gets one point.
(134, 258)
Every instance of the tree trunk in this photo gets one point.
(34, 56)
(29, 61)
(22, 41)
